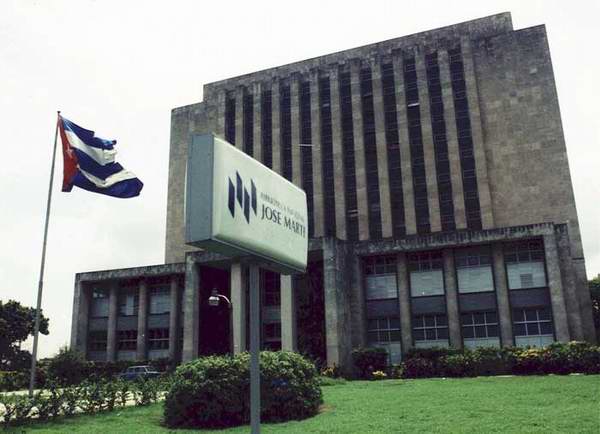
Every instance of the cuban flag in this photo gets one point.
(89, 163)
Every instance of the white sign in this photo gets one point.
(239, 207)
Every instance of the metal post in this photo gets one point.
(254, 348)
(36, 330)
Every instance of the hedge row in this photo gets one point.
(557, 358)
(70, 371)
(88, 397)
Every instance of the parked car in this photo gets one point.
(135, 372)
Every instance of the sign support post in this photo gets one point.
(254, 348)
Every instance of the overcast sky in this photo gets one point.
(119, 67)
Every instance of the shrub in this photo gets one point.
(329, 381)
(13, 380)
(214, 391)
(146, 391)
(92, 397)
(68, 367)
(71, 396)
(331, 371)
(457, 365)
(417, 367)
(17, 408)
(368, 360)
(123, 392)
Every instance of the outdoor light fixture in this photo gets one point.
(215, 298)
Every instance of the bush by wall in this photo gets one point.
(557, 358)
(214, 391)
(368, 360)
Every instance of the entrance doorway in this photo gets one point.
(214, 337)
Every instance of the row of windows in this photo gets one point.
(473, 268)
(536, 321)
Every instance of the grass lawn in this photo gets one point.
(553, 404)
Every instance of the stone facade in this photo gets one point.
(441, 208)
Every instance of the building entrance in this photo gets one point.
(214, 337)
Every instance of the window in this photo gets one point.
(266, 127)
(97, 340)
(285, 130)
(327, 161)
(474, 269)
(438, 127)
(158, 339)
(272, 336)
(380, 277)
(126, 340)
(383, 330)
(385, 333)
(426, 274)
(248, 123)
(479, 325)
(306, 151)
(99, 308)
(525, 266)
(465, 139)
(370, 150)
(348, 157)
(160, 300)
(128, 302)
(533, 327)
(230, 118)
(392, 140)
(429, 328)
(413, 113)
(271, 288)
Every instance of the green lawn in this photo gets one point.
(552, 404)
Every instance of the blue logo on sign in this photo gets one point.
(238, 192)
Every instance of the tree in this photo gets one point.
(17, 323)
(595, 293)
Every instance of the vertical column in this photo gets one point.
(428, 150)
(238, 304)
(289, 340)
(174, 313)
(257, 92)
(458, 199)
(315, 117)
(452, 300)
(502, 296)
(276, 132)
(358, 306)
(338, 155)
(80, 317)
(569, 285)
(557, 297)
(338, 340)
(405, 162)
(113, 311)
(191, 309)
(404, 301)
(483, 185)
(382, 155)
(239, 117)
(221, 98)
(142, 332)
(295, 110)
(359, 153)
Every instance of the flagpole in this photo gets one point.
(36, 331)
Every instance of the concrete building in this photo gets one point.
(441, 209)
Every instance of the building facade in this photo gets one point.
(440, 206)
